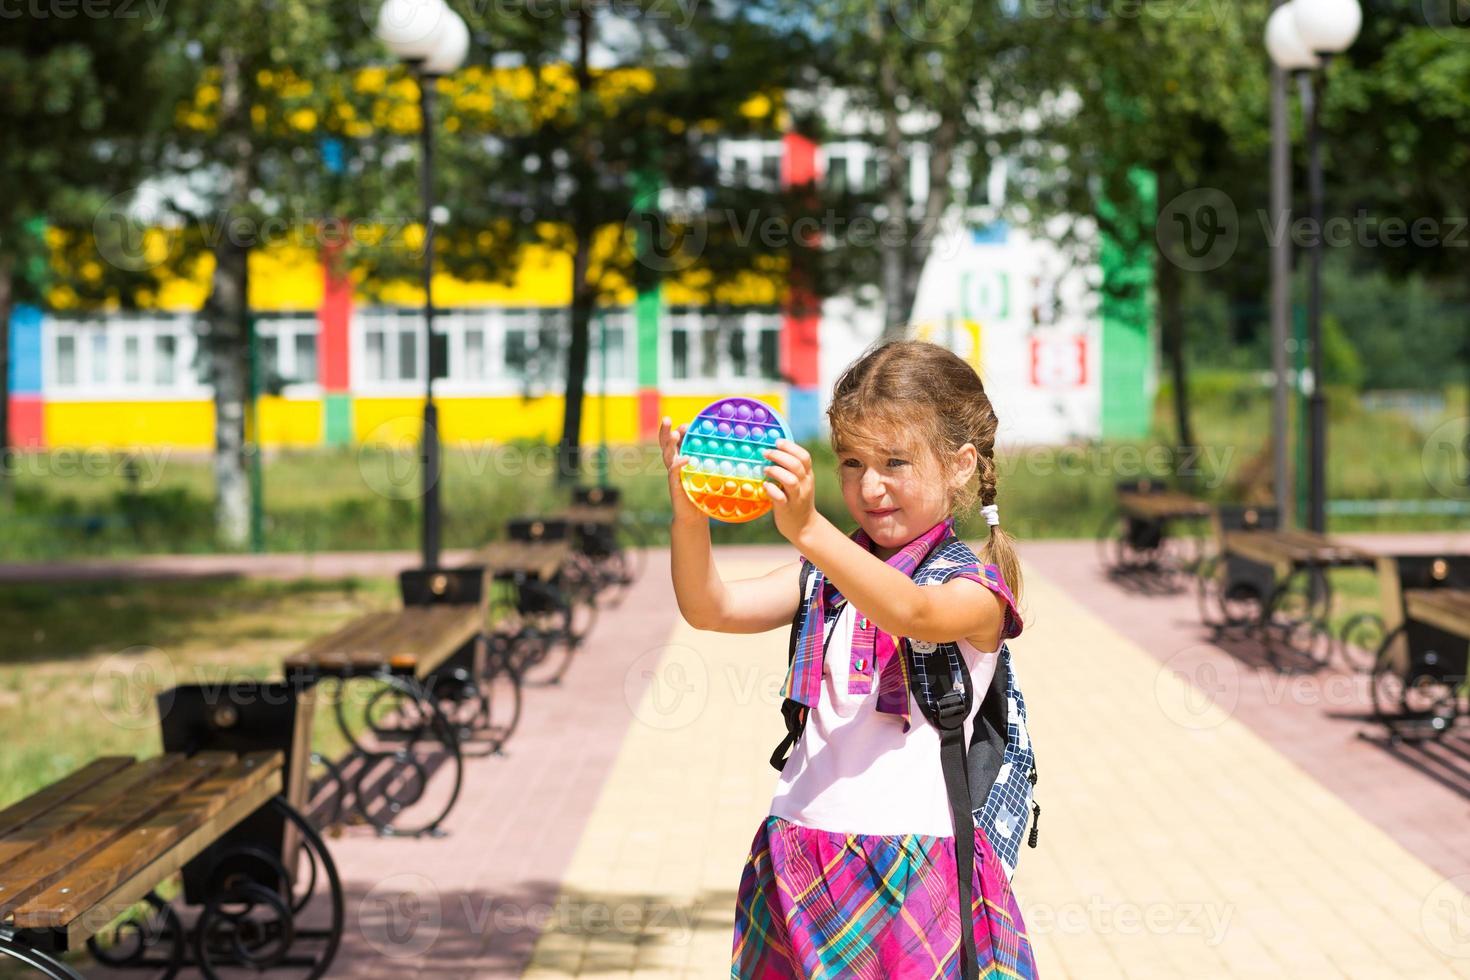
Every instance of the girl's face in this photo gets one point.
(895, 494)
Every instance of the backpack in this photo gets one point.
(991, 782)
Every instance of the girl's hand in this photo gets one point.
(669, 439)
(792, 487)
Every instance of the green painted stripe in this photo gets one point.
(337, 419)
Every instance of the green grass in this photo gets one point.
(65, 505)
(81, 664)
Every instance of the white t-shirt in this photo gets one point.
(855, 770)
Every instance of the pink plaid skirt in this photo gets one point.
(813, 903)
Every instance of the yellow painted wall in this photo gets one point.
(291, 422)
(397, 421)
(109, 425)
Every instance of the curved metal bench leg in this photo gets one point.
(434, 728)
(43, 963)
(134, 938)
(249, 915)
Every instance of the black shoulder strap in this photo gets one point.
(794, 712)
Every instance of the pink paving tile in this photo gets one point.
(478, 896)
(1420, 796)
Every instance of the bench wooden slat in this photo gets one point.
(1162, 504)
(39, 867)
(253, 778)
(1447, 609)
(24, 811)
(58, 821)
(424, 636)
(542, 559)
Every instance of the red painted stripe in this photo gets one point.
(648, 413)
(799, 165)
(800, 328)
(333, 364)
(27, 422)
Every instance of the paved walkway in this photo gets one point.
(1175, 841)
(1188, 828)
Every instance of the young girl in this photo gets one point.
(853, 873)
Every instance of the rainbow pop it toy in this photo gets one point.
(725, 472)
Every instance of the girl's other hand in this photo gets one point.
(669, 439)
(792, 487)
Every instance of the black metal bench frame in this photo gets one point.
(1419, 670)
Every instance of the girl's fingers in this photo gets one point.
(779, 458)
(784, 476)
(774, 492)
(795, 449)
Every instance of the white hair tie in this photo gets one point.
(992, 514)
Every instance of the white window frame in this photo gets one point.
(116, 328)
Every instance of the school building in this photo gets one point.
(1060, 361)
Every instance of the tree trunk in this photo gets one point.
(894, 242)
(569, 451)
(904, 254)
(225, 313)
(1168, 286)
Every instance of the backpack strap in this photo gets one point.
(794, 712)
(948, 715)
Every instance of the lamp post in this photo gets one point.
(1302, 36)
(433, 40)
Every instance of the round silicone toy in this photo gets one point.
(724, 475)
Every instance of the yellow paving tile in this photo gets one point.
(1174, 841)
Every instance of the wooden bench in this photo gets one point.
(423, 664)
(94, 847)
(1286, 572)
(1138, 545)
(1419, 671)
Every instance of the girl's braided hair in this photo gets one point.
(934, 399)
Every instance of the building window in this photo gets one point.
(376, 349)
(771, 169)
(517, 349)
(305, 369)
(99, 356)
(474, 353)
(770, 353)
(165, 351)
(735, 337)
(66, 360)
(408, 350)
(837, 173)
(709, 351)
(679, 353)
(132, 360)
(870, 173)
(267, 359)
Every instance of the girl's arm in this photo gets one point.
(705, 600)
(959, 608)
(893, 601)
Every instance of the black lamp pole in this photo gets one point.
(1317, 403)
(430, 442)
